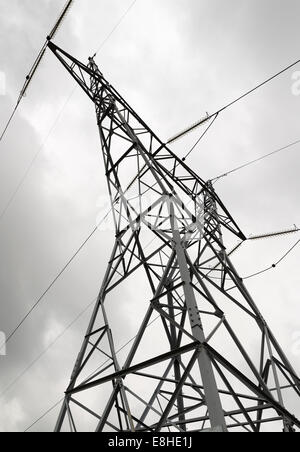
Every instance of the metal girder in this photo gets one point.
(195, 289)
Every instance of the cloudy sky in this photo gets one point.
(173, 60)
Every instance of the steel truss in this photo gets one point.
(200, 373)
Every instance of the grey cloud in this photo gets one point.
(187, 58)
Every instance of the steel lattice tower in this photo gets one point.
(200, 372)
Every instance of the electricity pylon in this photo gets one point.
(204, 358)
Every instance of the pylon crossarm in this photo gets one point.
(71, 64)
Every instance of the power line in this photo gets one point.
(261, 237)
(36, 64)
(28, 170)
(25, 175)
(44, 415)
(115, 27)
(93, 374)
(263, 157)
(8, 122)
(58, 277)
(43, 353)
(61, 335)
(54, 281)
(257, 237)
(28, 80)
(197, 124)
(201, 137)
(272, 267)
(86, 241)
(288, 253)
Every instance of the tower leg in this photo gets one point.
(99, 306)
(213, 401)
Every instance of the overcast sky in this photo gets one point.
(173, 60)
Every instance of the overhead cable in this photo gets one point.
(252, 162)
(272, 267)
(44, 415)
(36, 64)
(201, 121)
(54, 30)
(199, 139)
(115, 28)
(43, 353)
(34, 159)
(51, 35)
(40, 299)
(92, 375)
